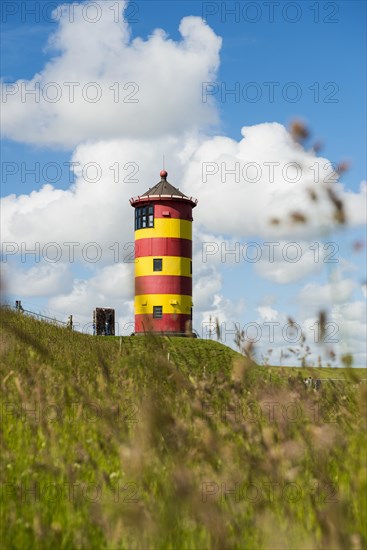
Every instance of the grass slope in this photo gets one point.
(172, 443)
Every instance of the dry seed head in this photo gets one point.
(238, 370)
(317, 146)
(312, 194)
(358, 246)
(299, 130)
(298, 217)
(343, 167)
(322, 322)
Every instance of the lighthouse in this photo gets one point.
(163, 260)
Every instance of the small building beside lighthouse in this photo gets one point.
(163, 260)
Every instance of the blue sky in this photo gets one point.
(320, 56)
(305, 52)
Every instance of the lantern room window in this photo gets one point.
(144, 217)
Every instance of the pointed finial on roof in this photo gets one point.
(164, 174)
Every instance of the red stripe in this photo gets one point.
(169, 323)
(163, 246)
(163, 284)
(175, 210)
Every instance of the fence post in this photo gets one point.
(18, 306)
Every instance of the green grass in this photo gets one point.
(336, 373)
(138, 443)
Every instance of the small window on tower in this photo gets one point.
(190, 268)
(150, 216)
(157, 312)
(144, 217)
(157, 264)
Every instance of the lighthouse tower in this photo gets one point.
(163, 260)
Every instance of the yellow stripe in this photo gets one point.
(183, 305)
(171, 227)
(171, 265)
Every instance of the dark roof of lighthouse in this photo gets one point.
(164, 188)
(163, 191)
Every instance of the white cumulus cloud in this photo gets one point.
(315, 297)
(40, 280)
(101, 84)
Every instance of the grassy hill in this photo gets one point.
(147, 442)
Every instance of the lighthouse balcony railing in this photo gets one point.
(155, 197)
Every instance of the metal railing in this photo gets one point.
(52, 320)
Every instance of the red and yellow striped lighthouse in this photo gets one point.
(163, 260)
